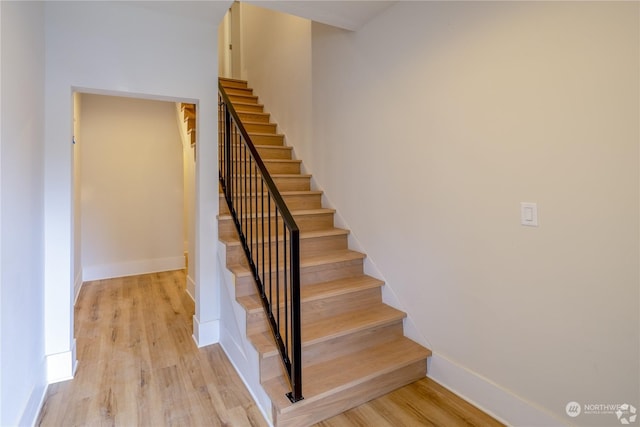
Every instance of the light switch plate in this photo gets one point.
(529, 214)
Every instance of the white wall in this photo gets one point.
(77, 207)
(431, 124)
(224, 53)
(189, 202)
(132, 187)
(276, 60)
(137, 48)
(456, 113)
(22, 367)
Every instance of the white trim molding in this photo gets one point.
(498, 402)
(61, 366)
(206, 333)
(132, 268)
(34, 404)
(77, 286)
(191, 288)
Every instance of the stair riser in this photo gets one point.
(254, 117)
(266, 152)
(239, 91)
(308, 275)
(275, 140)
(240, 153)
(271, 366)
(244, 99)
(295, 183)
(261, 127)
(294, 202)
(250, 108)
(232, 83)
(308, 247)
(336, 403)
(283, 183)
(320, 221)
(274, 167)
(318, 309)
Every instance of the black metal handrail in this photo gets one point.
(268, 234)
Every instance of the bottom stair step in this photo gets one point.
(337, 385)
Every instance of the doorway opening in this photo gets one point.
(134, 187)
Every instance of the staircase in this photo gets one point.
(189, 117)
(353, 345)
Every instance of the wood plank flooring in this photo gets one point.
(139, 366)
(422, 403)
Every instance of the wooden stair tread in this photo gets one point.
(277, 175)
(287, 193)
(230, 79)
(233, 90)
(294, 213)
(346, 371)
(264, 133)
(235, 241)
(251, 122)
(252, 303)
(277, 147)
(244, 95)
(333, 326)
(307, 261)
(279, 160)
(247, 104)
(296, 199)
(263, 114)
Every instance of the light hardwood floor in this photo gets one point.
(422, 403)
(138, 365)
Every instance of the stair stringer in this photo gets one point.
(233, 338)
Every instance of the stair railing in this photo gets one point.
(268, 234)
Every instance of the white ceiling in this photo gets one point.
(347, 14)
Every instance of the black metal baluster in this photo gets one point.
(263, 215)
(247, 176)
(244, 192)
(234, 149)
(227, 143)
(258, 214)
(277, 301)
(296, 320)
(238, 162)
(286, 290)
(236, 178)
(270, 256)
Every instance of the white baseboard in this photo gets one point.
(36, 400)
(479, 391)
(233, 339)
(61, 366)
(191, 288)
(132, 268)
(491, 398)
(234, 354)
(77, 285)
(206, 333)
